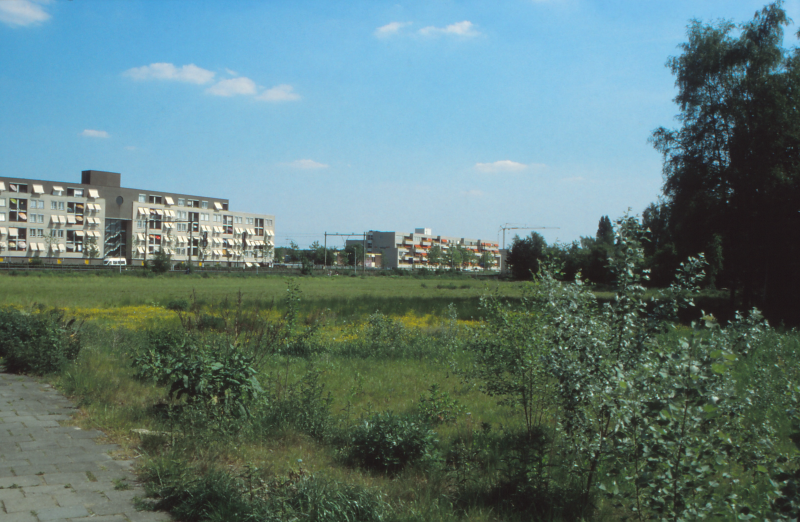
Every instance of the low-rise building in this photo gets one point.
(412, 250)
(64, 222)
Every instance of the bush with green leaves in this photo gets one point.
(438, 407)
(218, 378)
(219, 495)
(662, 424)
(388, 443)
(37, 342)
(302, 405)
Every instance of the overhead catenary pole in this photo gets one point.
(352, 234)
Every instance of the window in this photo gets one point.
(217, 218)
(75, 192)
(2, 216)
(182, 215)
(183, 227)
(204, 217)
(155, 220)
(2, 202)
(259, 223)
(19, 210)
(74, 241)
(17, 239)
(142, 198)
(204, 204)
(193, 203)
(155, 200)
(140, 223)
(181, 202)
(153, 243)
(39, 218)
(53, 205)
(58, 191)
(57, 233)
(16, 187)
(194, 218)
(227, 224)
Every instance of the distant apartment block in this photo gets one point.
(63, 222)
(411, 250)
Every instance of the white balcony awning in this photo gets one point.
(140, 249)
(169, 200)
(251, 231)
(53, 219)
(218, 205)
(57, 189)
(269, 232)
(62, 219)
(159, 212)
(140, 236)
(3, 230)
(79, 233)
(71, 219)
(2, 185)
(93, 193)
(143, 211)
(33, 246)
(38, 189)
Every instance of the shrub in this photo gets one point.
(39, 342)
(217, 495)
(387, 442)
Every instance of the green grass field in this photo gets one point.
(347, 297)
(324, 374)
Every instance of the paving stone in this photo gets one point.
(32, 441)
(20, 517)
(29, 480)
(12, 494)
(29, 504)
(61, 512)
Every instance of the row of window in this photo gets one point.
(18, 238)
(22, 188)
(181, 202)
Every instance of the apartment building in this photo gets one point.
(69, 223)
(411, 250)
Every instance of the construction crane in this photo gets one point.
(512, 226)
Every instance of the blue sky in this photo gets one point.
(349, 116)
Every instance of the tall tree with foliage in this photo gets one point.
(525, 255)
(732, 170)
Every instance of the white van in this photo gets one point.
(114, 261)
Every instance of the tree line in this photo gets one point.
(731, 171)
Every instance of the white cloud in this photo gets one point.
(91, 133)
(279, 93)
(505, 166)
(167, 71)
(307, 164)
(390, 29)
(233, 87)
(465, 28)
(23, 12)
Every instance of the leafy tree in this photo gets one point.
(525, 255)
(435, 255)
(354, 253)
(90, 249)
(605, 232)
(160, 261)
(487, 260)
(454, 257)
(733, 167)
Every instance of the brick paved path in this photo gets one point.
(49, 472)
